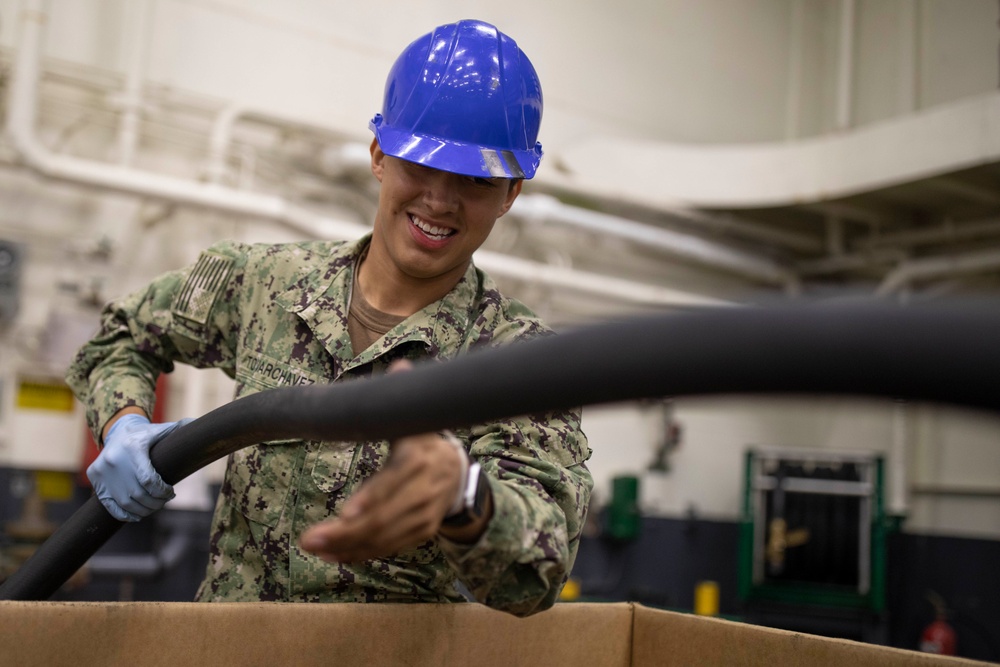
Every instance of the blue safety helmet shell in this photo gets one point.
(464, 99)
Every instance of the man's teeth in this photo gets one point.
(431, 230)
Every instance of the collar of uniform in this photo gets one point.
(321, 297)
(441, 326)
(301, 296)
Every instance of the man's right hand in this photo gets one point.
(123, 476)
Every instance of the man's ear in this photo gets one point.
(513, 190)
(378, 159)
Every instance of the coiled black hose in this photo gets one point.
(946, 353)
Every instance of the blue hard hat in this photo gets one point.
(465, 99)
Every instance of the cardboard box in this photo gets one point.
(273, 634)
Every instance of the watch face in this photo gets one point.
(482, 490)
(475, 503)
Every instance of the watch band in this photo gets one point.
(458, 504)
(476, 490)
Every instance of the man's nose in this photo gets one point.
(442, 191)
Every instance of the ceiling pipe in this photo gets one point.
(590, 283)
(848, 262)
(228, 118)
(948, 232)
(899, 447)
(938, 267)
(136, 47)
(544, 208)
(727, 223)
(20, 131)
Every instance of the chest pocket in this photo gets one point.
(338, 468)
(259, 477)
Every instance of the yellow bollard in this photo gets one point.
(706, 598)
(570, 591)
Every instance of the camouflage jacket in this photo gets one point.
(276, 315)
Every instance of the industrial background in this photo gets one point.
(709, 153)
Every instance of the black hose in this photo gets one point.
(944, 353)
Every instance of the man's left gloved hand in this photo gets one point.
(123, 476)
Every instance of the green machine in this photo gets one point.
(623, 518)
(813, 542)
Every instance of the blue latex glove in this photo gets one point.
(123, 476)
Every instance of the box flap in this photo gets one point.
(172, 634)
(670, 638)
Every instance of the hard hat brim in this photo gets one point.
(456, 157)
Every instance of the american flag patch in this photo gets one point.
(207, 280)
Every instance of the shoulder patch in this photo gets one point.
(207, 280)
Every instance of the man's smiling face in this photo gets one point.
(429, 222)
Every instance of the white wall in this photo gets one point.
(640, 65)
(913, 55)
(711, 71)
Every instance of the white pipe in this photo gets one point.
(589, 283)
(836, 264)
(834, 235)
(897, 502)
(729, 223)
(544, 208)
(937, 267)
(222, 132)
(948, 232)
(135, 46)
(20, 130)
(226, 120)
(845, 65)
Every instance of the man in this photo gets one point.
(498, 507)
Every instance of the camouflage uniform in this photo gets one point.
(276, 315)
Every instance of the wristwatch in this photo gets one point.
(474, 499)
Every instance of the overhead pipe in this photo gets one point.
(136, 48)
(589, 283)
(20, 130)
(548, 209)
(949, 232)
(848, 262)
(899, 447)
(937, 267)
(228, 118)
(732, 224)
